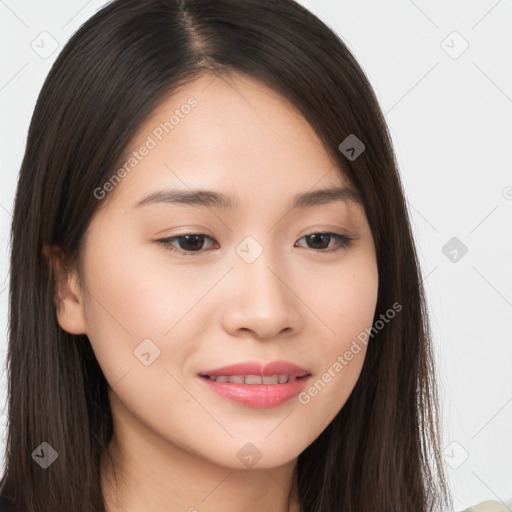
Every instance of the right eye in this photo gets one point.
(190, 243)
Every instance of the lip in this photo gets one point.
(257, 396)
(255, 368)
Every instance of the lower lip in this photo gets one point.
(257, 396)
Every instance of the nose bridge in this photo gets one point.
(258, 267)
(262, 300)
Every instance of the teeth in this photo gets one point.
(236, 379)
(281, 378)
(253, 379)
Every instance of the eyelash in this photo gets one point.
(343, 240)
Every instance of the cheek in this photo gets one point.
(345, 298)
(138, 295)
(142, 296)
(346, 306)
(355, 306)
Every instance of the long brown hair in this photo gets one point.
(382, 451)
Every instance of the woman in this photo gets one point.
(288, 365)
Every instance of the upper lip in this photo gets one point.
(256, 368)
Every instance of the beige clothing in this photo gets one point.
(489, 506)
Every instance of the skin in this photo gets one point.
(175, 443)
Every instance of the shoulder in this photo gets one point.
(487, 506)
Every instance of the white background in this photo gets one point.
(450, 117)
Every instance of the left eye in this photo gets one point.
(192, 243)
(343, 241)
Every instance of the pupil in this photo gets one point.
(317, 235)
(190, 246)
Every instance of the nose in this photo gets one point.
(260, 300)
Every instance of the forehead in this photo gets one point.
(229, 132)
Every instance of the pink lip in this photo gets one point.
(255, 368)
(257, 396)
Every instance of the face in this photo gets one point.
(262, 280)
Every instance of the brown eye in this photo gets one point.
(188, 244)
(320, 241)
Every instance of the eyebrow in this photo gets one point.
(212, 199)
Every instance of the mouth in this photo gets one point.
(255, 385)
(252, 380)
(253, 372)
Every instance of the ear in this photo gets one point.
(68, 295)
